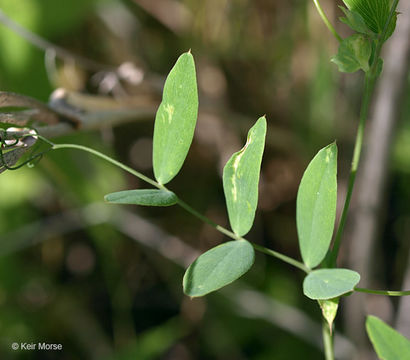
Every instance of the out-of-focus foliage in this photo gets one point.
(101, 279)
(22, 64)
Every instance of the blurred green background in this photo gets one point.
(106, 281)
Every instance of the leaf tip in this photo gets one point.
(107, 198)
(263, 119)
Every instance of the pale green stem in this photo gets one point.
(181, 203)
(326, 21)
(327, 341)
(370, 80)
(107, 158)
(368, 91)
(282, 257)
(383, 292)
(232, 235)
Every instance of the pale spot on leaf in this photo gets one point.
(169, 109)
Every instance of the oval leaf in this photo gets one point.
(387, 342)
(241, 179)
(148, 197)
(175, 120)
(218, 267)
(316, 206)
(326, 284)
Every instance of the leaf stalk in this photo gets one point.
(180, 202)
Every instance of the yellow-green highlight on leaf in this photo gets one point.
(388, 343)
(316, 206)
(175, 119)
(354, 54)
(241, 179)
(218, 267)
(325, 284)
(145, 197)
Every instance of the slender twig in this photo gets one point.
(383, 292)
(326, 21)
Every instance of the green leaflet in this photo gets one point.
(218, 267)
(374, 12)
(355, 21)
(388, 343)
(316, 206)
(147, 197)
(175, 120)
(354, 54)
(324, 284)
(241, 179)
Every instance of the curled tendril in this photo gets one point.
(3, 136)
(34, 158)
(4, 144)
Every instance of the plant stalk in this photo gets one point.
(327, 341)
(383, 292)
(180, 202)
(326, 21)
(233, 236)
(107, 158)
(369, 84)
(368, 91)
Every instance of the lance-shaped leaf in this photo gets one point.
(316, 206)
(218, 267)
(326, 284)
(354, 54)
(146, 197)
(388, 343)
(241, 179)
(175, 120)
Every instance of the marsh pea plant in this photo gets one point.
(372, 21)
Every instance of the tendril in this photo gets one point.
(31, 161)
